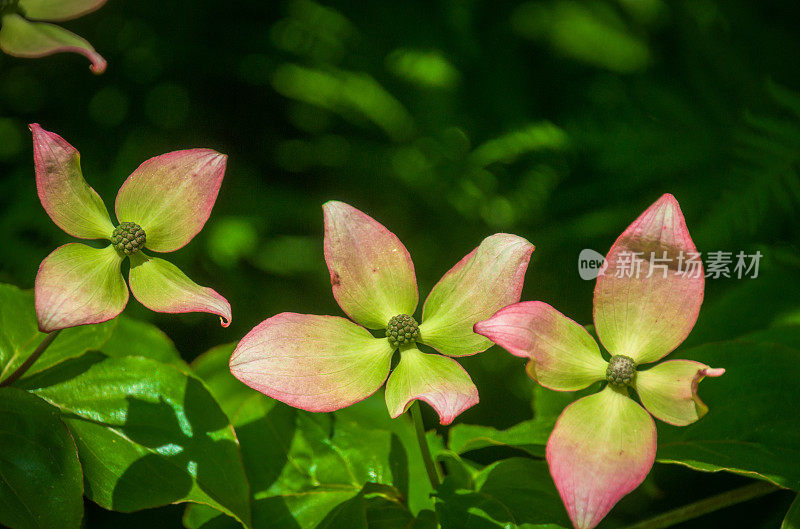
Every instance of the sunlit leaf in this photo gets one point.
(148, 434)
(19, 334)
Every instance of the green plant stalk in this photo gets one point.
(13, 377)
(708, 505)
(430, 465)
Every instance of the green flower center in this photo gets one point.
(128, 238)
(402, 329)
(621, 370)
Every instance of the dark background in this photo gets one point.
(447, 121)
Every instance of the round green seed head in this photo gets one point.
(128, 238)
(621, 370)
(402, 329)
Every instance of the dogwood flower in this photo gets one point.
(324, 363)
(645, 304)
(161, 206)
(24, 34)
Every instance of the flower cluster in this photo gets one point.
(604, 445)
(324, 363)
(161, 207)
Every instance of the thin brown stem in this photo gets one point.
(13, 377)
(705, 506)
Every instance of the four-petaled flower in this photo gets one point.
(23, 34)
(161, 206)
(604, 445)
(324, 363)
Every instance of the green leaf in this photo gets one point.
(524, 436)
(148, 435)
(792, 520)
(19, 334)
(302, 465)
(788, 335)
(137, 338)
(41, 484)
(753, 427)
(512, 493)
(212, 367)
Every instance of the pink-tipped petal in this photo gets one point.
(485, 280)
(58, 10)
(31, 40)
(669, 390)
(77, 285)
(316, 363)
(438, 380)
(371, 271)
(563, 356)
(171, 196)
(601, 449)
(161, 286)
(647, 317)
(73, 205)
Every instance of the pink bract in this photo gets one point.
(646, 302)
(324, 363)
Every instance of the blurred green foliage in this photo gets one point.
(558, 120)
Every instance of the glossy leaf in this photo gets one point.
(22, 38)
(372, 274)
(170, 196)
(73, 205)
(752, 427)
(42, 484)
(647, 299)
(57, 10)
(514, 493)
(526, 436)
(213, 367)
(78, 285)
(792, 519)
(485, 280)
(162, 287)
(435, 379)
(563, 356)
(316, 363)
(147, 435)
(303, 466)
(137, 338)
(19, 334)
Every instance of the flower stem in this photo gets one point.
(13, 377)
(430, 464)
(714, 503)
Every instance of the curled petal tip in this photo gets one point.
(98, 65)
(669, 390)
